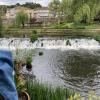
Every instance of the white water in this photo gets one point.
(48, 43)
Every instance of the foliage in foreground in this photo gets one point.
(91, 96)
(39, 91)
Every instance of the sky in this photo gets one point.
(9, 2)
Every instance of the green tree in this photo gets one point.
(82, 14)
(54, 7)
(84, 11)
(31, 5)
(66, 10)
(92, 8)
(21, 19)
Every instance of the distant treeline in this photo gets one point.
(30, 5)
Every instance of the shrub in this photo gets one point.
(28, 63)
(97, 38)
(34, 32)
(33, 37)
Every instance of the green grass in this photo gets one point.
(74, 26)
(39, 91)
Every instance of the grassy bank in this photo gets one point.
(65, 29)
(74, 26)
(39, 91)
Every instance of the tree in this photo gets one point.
(83, 14)
(54, 7)
(84, 11)
(66, 10)
(31, 5)
(21, 18)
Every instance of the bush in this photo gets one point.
(28, 63)
(97, 38)
(33, 38)
(34, 32)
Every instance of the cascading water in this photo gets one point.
(67, 44)
(48, 43)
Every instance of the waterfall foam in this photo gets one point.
(48, 43)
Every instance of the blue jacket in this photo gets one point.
(7, 86)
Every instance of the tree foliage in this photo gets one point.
(80, 11)
(21, 18)
(30, 5)
(54, 7)
(83, 14)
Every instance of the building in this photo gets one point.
(38, 16)
(43, 15)
(42, 12)
(11, 13)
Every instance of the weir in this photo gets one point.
(49, 43)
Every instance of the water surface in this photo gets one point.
(78, 69)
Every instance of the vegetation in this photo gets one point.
(78, 11)
(31, 5)
(91, 96)
(75, 26)
(27, 4)
(28, 63)
(0, 26)
(97, 38)
(34, 36)
(19, 79)
(21, 19)
(39, 91)
(3, 9)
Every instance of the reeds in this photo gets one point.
(38, 91)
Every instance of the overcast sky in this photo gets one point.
(7, 2)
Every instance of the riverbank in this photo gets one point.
(51, 32)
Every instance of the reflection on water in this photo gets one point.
(76, 69)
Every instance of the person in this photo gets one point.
(7, 86)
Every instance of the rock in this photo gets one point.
(40, 53)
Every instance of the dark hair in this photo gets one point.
(1, 97)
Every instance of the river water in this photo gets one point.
(73, 63)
